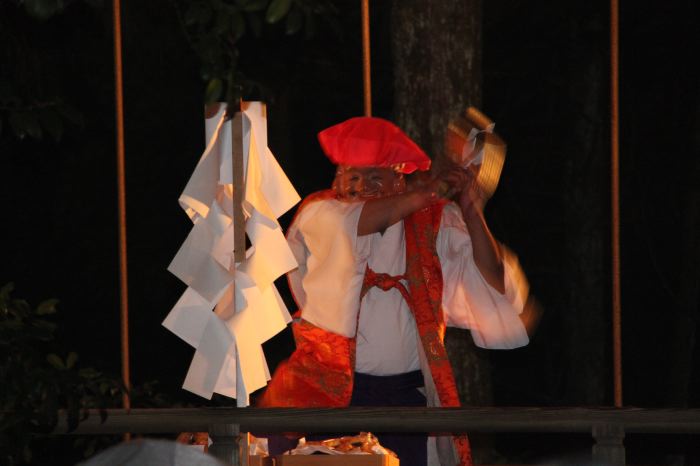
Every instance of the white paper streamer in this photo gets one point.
(229, 359)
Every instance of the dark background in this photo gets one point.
(545, 82)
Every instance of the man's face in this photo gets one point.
(363, 183)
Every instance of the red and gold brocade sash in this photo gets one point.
(424, 275)
(424, 298)
(317, 375)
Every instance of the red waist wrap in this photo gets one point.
(317, 375)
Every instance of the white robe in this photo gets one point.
(332, 260)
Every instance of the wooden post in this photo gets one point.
(608, 449)
(225, 443)
(238, 195)
(121, 202)
(238, 187)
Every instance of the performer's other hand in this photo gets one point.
(471, 198)
(460, 185)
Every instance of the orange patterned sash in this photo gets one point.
(317, 375)
(425, 284)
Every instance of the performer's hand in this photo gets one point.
(471, 199)
(460, 184)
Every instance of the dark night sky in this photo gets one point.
(60, 231)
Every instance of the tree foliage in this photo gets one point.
(216, 29)
(32, 102)
(39, 379)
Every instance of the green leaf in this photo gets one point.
(277, 10)
(71, 359)
(214, 90)
(55, 361)
(47, 307)
(294, 21)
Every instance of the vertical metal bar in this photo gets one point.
(121, 189)
(615, 199)
(366, 75)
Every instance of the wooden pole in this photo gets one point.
(238, 188)
(121, 190)
(615, 199)
(366, 76)
(239, 245)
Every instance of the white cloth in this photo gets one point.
(332, 261)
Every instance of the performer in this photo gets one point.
(383, 268)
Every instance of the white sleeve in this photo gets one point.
(298, 247)
(332, 259)
(468, 300)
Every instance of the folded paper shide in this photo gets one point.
(229, 359)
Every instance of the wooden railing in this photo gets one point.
(607, 426)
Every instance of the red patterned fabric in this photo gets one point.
(317, 375)
(425, 284)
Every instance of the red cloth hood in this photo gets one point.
(369, 141)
